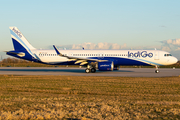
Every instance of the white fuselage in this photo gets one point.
(151, 57)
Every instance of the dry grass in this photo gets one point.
(63, 97)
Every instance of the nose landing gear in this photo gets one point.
(156, 71)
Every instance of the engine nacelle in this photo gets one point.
(105, 66)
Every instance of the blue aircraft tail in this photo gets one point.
(22, 48)
(19, 41)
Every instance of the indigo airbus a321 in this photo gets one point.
(102, 60)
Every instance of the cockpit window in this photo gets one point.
(167, 55)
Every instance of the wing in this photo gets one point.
(82, 61)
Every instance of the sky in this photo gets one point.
(93, 24)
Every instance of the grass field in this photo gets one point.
(72, 97)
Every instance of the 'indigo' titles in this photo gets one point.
(17, 32)
(140, 54)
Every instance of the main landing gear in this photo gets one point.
(88, 70)
(156, 71)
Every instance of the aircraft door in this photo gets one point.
(70, 54)
(156, 55)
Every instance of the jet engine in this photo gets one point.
(105, 66)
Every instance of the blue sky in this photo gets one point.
(135, 24)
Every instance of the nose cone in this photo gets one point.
(174, 60)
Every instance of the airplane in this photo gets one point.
(102, 60)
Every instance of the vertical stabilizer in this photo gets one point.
(19, 41)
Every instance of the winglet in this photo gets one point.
(57, 51)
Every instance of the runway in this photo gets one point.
(122, 72)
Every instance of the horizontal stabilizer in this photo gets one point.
(21, 54)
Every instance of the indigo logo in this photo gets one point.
(140, 54)
(17, 32)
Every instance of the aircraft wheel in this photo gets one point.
(87, 70)
(156, 71)
(93, 70)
